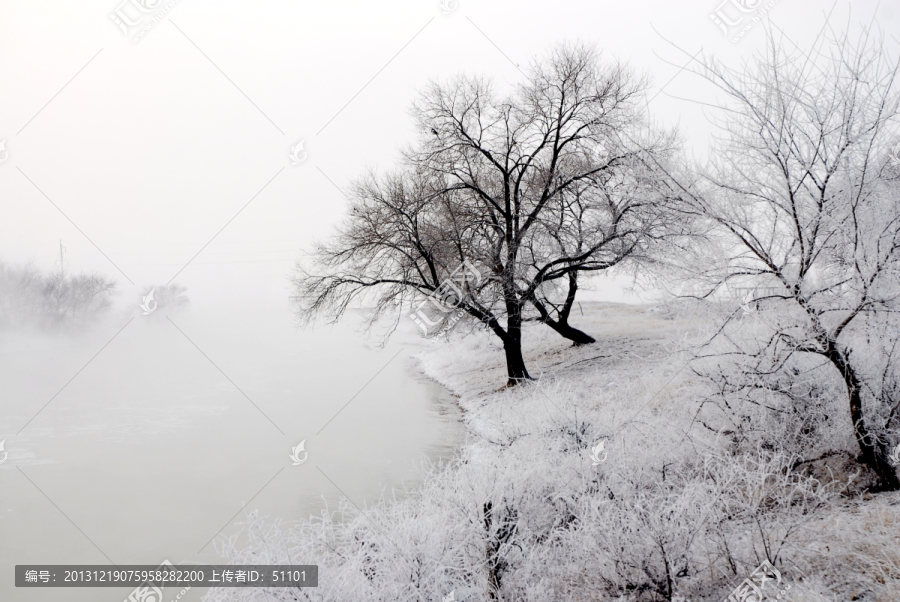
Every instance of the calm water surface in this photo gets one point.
(175, 427)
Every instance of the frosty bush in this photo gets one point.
(676, 512)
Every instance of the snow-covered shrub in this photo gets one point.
(670, 510)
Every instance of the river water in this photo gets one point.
(154, 440)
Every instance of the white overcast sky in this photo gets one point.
(150, 148)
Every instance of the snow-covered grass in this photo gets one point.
(673, 511)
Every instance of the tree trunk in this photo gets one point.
(573, 334)
(512, 346)
(512, 342)
(872, 450)
(561, 326)
(515, 363)
(492, 553)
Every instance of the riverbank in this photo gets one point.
(594, 482)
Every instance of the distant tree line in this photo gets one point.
(32, 297)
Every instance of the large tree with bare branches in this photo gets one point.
(555, 179)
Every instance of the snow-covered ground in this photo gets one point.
(597, 481)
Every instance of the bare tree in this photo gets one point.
(28, 296)
(801, 197)
(20, 293)
(496, 182)
(91, 294)
(76, 297)
(573, 131)
(406, 236)
(627, 215)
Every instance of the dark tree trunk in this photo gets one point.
(512, 340)
(872, 449)
(497, 539)
(561, 325)
(568, 332)
(515, 363)
(492, 553)
(512, 346)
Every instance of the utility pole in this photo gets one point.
(61, 264)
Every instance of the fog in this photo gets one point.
(175, 159)
(154, 447)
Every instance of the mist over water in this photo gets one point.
(153, 448)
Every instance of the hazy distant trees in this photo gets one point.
(803, 202)
(30, 297)
(503, 197)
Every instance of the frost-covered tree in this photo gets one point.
(801, 198)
